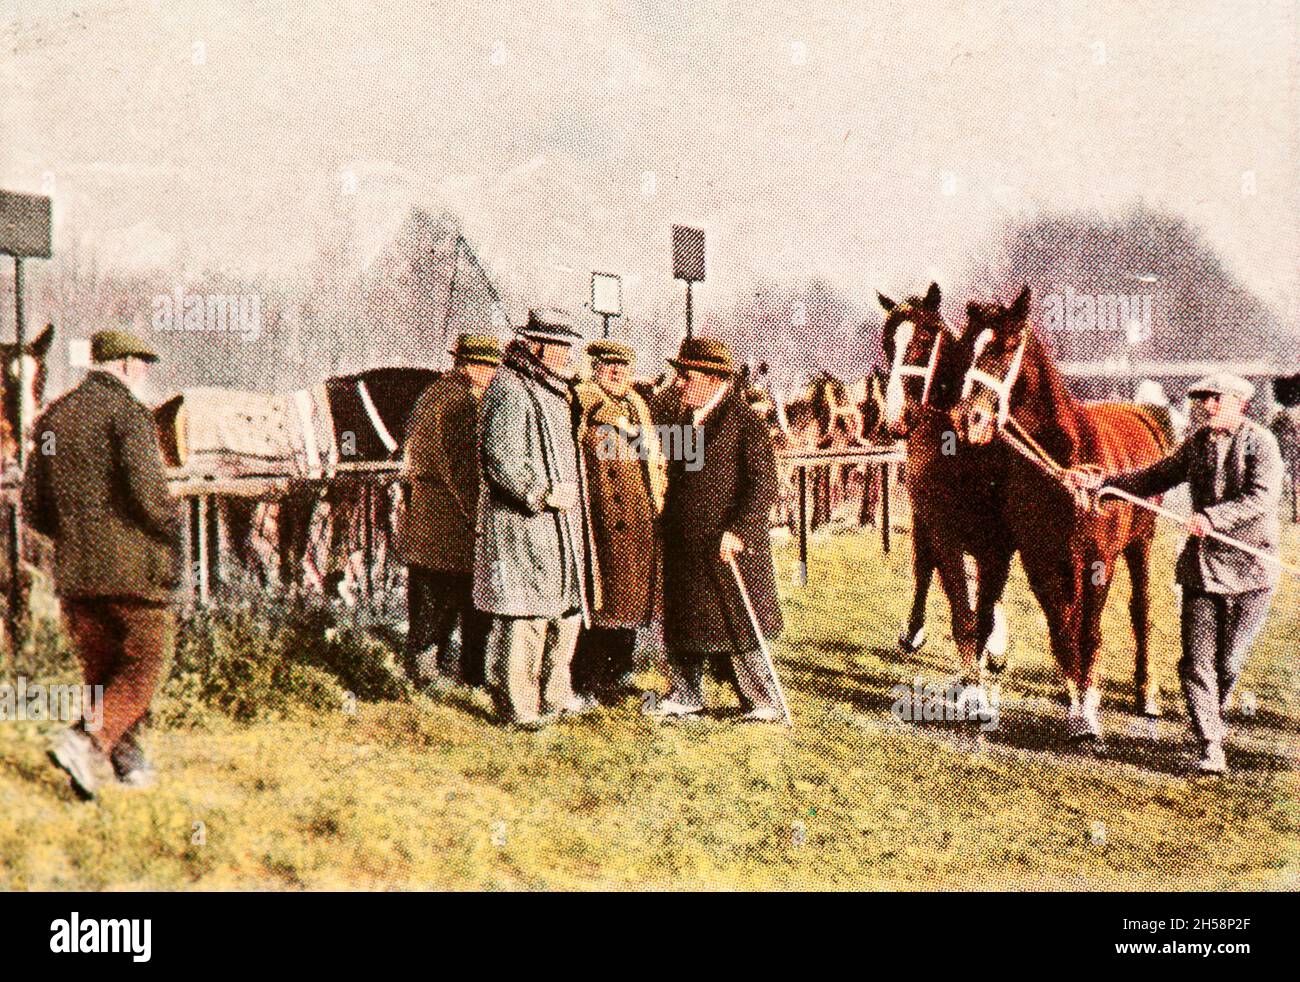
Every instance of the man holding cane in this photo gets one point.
(716, 512)
(1233, 468)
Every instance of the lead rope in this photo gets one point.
(1025, 445)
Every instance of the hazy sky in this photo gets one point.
(875, 143)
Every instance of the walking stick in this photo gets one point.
(1172, 515)
(762, 641)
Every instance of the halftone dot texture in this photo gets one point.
(320, 204)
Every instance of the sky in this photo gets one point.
(877, 145)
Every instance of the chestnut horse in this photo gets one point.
(1014, 389)
(953, 490)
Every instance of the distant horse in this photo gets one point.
(368, 411)
(29, 366)
(868, 395)
(954, 491)
(23, 377)
(1013, 387)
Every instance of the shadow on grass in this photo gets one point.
(1025, 725)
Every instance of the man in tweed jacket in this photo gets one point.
(1233, 469)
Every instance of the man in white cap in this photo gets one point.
(1233, 470)
(531, 551)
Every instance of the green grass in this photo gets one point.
(425, 793)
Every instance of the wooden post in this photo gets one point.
(884, 506)
(1295, 493)
(367, 539)
(13, 616)
(199, 540)
(213, 540)
(801, 573)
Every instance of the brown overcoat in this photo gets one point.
(442, 473)
(625, 485)
(733, 488)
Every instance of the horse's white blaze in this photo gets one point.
(23, 369)
(894, 390)
(1000, 387)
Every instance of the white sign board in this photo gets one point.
(79, 352)
(606, 294)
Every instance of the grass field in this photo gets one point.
(425, 793)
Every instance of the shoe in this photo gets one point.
(580, 706)
(77, 754)
(1213, 760)
(131, 767)
(671, 707)
(763, 714)
(139, 778)
(534, 724)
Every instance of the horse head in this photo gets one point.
(999, 337)
(24, 377)
(915, 341)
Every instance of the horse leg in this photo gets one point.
(1058, 599)
(913, 636)
(1092, 604)
(952, 575)
(990, 619)
(1137, 557)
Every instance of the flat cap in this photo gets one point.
(614, 352)
(551, 326)
(482, 348)
(112, 345)
(1222, 384)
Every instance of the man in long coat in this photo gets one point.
(436, 536)
(1233, 470)
(627, 479)
(717, 507)
(530, 558)
(95, 485)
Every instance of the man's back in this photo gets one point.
(95, 485)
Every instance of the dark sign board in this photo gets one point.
(688, 253)
(24, 225)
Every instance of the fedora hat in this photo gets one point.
(704, 354)
(482, 348)
(114, 345)
(550, 326)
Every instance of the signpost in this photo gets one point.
(607, 296)
(688, 262)
(24, 234)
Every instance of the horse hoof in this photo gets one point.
(997, 664)
(910, 644)
(1151, 708)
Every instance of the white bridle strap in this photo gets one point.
(1000, 387)
(899, 369)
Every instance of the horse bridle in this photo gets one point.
(1000, 387)
(902, 338)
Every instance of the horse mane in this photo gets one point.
(1057, 420)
